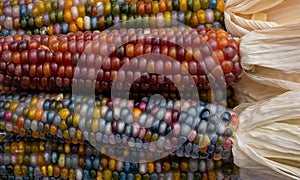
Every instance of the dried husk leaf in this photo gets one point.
(249, 91)
(267, 142)
(239, 15)
(271, 62)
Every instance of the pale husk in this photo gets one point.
(271, 62)
(249, 91)
(267, 143)
(238, 15)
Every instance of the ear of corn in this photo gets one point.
(187, 58)
(60, 16)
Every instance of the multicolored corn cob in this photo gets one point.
(123, 127)
(48, 158)
(63, 16)
(203, 95)
(172, 59)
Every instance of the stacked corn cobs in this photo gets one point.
(49, 48)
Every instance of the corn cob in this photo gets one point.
(151, 123)
(55, 17)
(56, 159)
(48, 62)
(203, 95)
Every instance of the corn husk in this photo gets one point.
(271, 62)
(267, 143)
(249, 91)
(243, 16)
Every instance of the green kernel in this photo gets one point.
(190, 5)
(219, 164)
(116, 9)
(123, 18)
(188, 17)
(28, 32)
(88, 9)
(58, 106)
(60, 16)
(125, 8)
(109, 21)
(54, 4)
(176, 6)
(25, 111)
(53, 17)
(228, 132)
(146, 177)
(220, 141)
(145, 20)
(115, 175)
(26, 160)
(23, 23)
(2, 125)
(62, 160)
(217, 17)
(138, 21)
(30, 22)
(36, 31)
(6, 105)
(175, 165)
(132, 6)
(205, 4)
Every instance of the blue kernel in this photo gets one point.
(217, 25)
(88, 164)
(23, 10)
(2, 170)
(134, 167)
(90, 112)
(1, 149)
(182, 117)
(209, 157)
(5, 32)
(203, 155)
(50, 116)
(2, 114)
(214, 139)
(30, 171)
(226, 117)
(200, 26)
(126, 167)
(122, 176)
(66, 102)
(46, 105)
(130, 176)
(128, 130)
(1, 103)
(71, 107)
(64, 27)
(213, 4)
(154, 176)
(54, 157)
(96, 163)
(86, 174)
(180, 151)
(204, 115)
(211, 148)
(181, 17)
(155, 126)
(90, 101)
